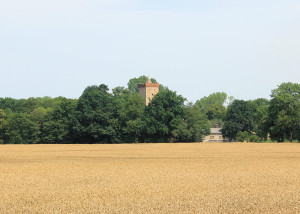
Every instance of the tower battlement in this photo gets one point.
(143, 85)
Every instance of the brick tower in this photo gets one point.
(148, 90)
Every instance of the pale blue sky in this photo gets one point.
(56, 48)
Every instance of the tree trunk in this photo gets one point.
(291, 136)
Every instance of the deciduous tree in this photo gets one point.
(194, 125)
(239, 118)
(58, 125)
(163, 115)
(21, 130)
(284, 112)
(95, 114)
(130, 108)
(2, 125)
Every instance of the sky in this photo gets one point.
(54, 48)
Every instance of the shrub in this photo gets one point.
(254, 138)
(243, 136)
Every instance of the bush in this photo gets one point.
(243, 136)
(254, 138)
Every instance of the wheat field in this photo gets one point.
(150, 178)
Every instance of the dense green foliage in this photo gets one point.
(163, 115)
(214, 107)
(130, 108)
(95, 115)
(239, 118)
(194, 125)
(134, 82)
(284, 112)
(279, 118)
(246, 116)
(57, 126)
(121, 116)
(245, 136)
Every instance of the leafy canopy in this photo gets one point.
(284, 112)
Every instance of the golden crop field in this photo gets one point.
(150, 178)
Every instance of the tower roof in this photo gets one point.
(148, 80)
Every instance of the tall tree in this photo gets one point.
(95, 115)
(215, 111)
(163, 115)
(2, 125)
(129, 111)
(239, 117)
(284, 112)
(261, 106)
(218, 98)
(22, 130)
(194, 125)
(2, 118)
(10, 105)
(214, 107)
(58, 125)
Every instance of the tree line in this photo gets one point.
(121, 116)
